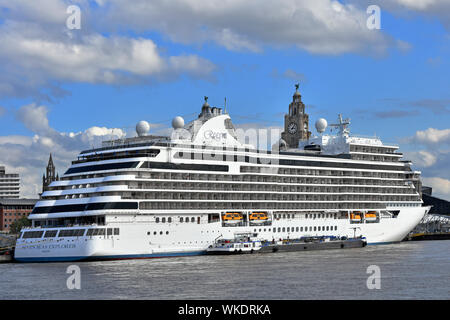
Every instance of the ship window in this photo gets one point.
(83, 207)
(108, 166)
(163, 220)
(190, 166)
(50, 233)
(160, 232)
(181, 219)
(301, 229)
(109, 232)
(192, 219)
(157, 219)
(169, 220)
(90, 232)
(33, 234)
(284, 229)
(116, 231)
(296, 229)
(167, 232)
(154, 233)
(279, 229)
(71, 233)
(315, 228)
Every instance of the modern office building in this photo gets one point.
(9, 184)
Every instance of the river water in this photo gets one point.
(408, 270)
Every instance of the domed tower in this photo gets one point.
(296, 122)
(206, 109)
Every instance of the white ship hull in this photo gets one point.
(179, 239)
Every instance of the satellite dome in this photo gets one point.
(178, 122)
(142, 128)
(321, 125)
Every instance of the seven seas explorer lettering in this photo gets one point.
(50, 246)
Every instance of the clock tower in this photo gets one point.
(296, 123)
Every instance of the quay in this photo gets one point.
(429, 236)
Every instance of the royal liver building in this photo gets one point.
(153, 196)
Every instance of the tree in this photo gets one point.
(17, 225)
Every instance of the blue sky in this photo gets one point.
(391, 82)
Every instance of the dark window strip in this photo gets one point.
(118, 155)
(106, 166)
(287, 162)
(86, 207)
(184, 166)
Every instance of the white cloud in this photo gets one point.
(432, 136)
(29, 155)
(441, 187)
(439, 9)
(42, 53)
(321, 26)
(421, 158)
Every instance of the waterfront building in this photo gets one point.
(14, 209)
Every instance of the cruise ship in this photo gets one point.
(156, 196)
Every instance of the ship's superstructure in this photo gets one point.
(153, 196)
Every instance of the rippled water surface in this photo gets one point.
(409, 270)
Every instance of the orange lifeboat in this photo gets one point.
(355, 216)
(371, 216)
(258, 217)
(232, 217)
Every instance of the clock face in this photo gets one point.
(292, 127)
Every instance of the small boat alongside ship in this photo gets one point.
(249, 243)
(241, 243)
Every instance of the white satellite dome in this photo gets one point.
(178, 122)
(142, 128)
(321, 125)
